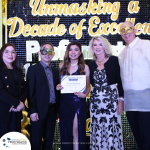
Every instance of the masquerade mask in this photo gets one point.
(126, 29)
(48, 51)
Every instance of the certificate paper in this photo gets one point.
(74, 83)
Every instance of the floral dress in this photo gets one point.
(106, 130)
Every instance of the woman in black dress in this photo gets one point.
(12, 91)
(73, 105)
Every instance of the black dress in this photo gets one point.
(70, 104)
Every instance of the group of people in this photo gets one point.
(118, 83)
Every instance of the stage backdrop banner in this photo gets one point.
(33, 22)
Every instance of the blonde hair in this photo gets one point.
(106, 45)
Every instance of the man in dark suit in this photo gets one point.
(43, 99)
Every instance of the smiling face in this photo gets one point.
(74, 52)
(97, 47)
(128, 37)
(9, 55)
(46, 58)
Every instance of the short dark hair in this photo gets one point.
(45, 44)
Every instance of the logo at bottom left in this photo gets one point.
(14, 141)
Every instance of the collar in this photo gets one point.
(45, 66)
(133, 42)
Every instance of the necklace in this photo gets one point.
(99, 62)
(74, 64)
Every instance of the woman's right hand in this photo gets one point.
(59, 87)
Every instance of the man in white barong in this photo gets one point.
(134, 62)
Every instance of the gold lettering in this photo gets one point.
(37, 8)
(40, 8)
(106, 28)
(61, 29)
(82, 9)
(133, 7)
(146, 29)
(26, 30)
(91, 7)
(46, 9)
(106, 8)
(73, 9)
(55, 27)
(13, 22)
(65, 9)
(91, 25)
(139, 28)
(100, 30)
(112, 27)
(115, 10)
(60, 9)
(42, 30)
(50, 10)
(73, 28)
(34, 29)
(80, 28)
(99, 10)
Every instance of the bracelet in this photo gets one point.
(121, 98)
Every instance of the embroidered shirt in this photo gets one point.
(134, 62)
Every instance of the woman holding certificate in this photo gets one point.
(73, 104)
(106, 100)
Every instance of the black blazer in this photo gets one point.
(112, 69)
(8, 95)
(38, 89)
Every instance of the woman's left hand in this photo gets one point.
(80, 94)
(120, 107)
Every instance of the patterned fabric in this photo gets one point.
(106, 132)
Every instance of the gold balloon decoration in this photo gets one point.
(26, 133)
(4, 2)
(88, 96)
(24, 122)
(3, 19)
(88, 126)
(26, 103)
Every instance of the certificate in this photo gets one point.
(74, 83)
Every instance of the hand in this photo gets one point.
(12, 109)
(34, 117)
(80, 94)
(59, 87)
(120, 107)
(21, 106)
(60, 65)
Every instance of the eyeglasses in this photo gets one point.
(7, 52)
(126, 29)
(48, 51)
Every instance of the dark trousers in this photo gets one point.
(140, 125)
(44, 128)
